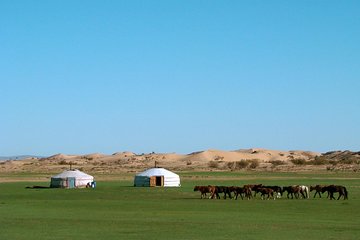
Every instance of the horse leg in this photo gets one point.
(242, 197)
(340, 194)
(319, 194)
(331, 196)
(229, 194)
(212, 194)
(302, 194)
(247, 195)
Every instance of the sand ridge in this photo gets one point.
(131, 162)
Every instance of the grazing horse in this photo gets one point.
(318, 189)
(266, 191)
(292, 190)
(203, 190)
(331, 189)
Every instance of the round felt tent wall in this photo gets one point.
(71, 179)
(157, 177)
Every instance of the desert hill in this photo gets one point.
(208, 160)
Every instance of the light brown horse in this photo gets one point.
(203, 190)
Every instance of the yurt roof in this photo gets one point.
(72, 173)
(157, 172)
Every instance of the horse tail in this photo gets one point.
(307, 191)
(346, 193)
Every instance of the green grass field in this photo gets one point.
(116, 210)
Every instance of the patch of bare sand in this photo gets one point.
(128, 162)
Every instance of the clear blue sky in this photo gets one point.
(178, 76)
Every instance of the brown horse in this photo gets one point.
(203, 190)
(215, 190)
(266, 192)
(331, 189)
(293, 191)
(277, 190)
(317, 189)
(242, 191)
(253, 187)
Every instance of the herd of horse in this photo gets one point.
(270, 192)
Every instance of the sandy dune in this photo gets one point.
(130, 162)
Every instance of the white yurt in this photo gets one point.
(157, 177)
(72, 179)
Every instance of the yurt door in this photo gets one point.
(153, 181)
(71, 182)
(156, 181)
(160, 181)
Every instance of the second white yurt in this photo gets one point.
(157, 177)
(71, 179)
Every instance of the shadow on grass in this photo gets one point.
(37, 187)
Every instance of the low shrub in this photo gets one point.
(213, 164)
(254, 163)
(218, 158)
(349, 161)
(230, 165)
(298, 161)
(275, 163)
(319, 160)
(63, 162)
(241, 164)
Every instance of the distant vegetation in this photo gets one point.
(331, 158)
(235, 165)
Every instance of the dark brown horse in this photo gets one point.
(203, 190)
(242, 191)
(331, 189)
(253, 187)
(215, 190)
(317, 189)
(292, 191)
